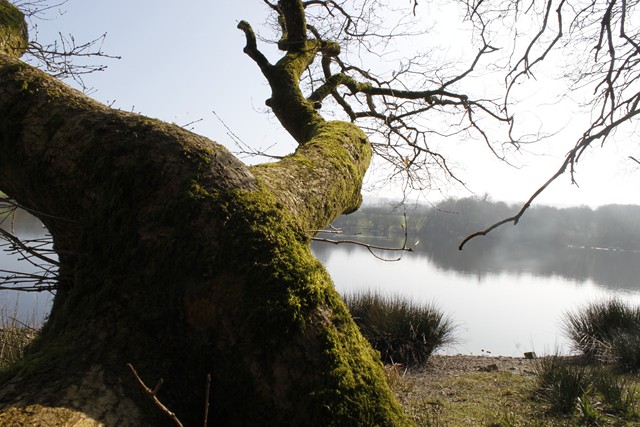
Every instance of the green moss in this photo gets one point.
(257, 225)
(14, 71)
(14, 37)
(199, 192)
(339, 154)
(287, 290)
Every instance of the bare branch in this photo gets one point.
(251, 49)
(37, 8)
(396, 107)
(64, 57)
(36, 252)
(153, 397)
(243, 147)
(370, 247)
(18, 245)
(569, 163)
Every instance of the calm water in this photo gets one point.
(28, 307)
(504, 311)
(505, 302)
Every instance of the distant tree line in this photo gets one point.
(444, 225)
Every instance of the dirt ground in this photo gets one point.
(439, 367)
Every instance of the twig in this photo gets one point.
(20, 246)
(244, 148)
(156, 389)
(24, 325)
(206, 401)
(371, 247)
(151, 394)
(330, 230)
(358, 243)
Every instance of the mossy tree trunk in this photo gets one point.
(177, 258)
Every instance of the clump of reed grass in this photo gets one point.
(618, 392)
(569, 386)
(402, 330)
(607, 331)
(562, 383)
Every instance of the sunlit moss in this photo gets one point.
(338, 151)
(14, 37)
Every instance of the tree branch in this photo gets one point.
(369, 246)
(153, 397)
(569, 163)
(251, 49)
(294, 31)
(19, 246)
(14, 37)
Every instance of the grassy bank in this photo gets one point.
(597, 386)
(480, 391)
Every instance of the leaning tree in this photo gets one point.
(177, 261)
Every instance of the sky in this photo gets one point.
(183, 63)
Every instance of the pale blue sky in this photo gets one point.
(183, 60)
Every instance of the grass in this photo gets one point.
(607, 331)
(14, 337)
(515, 398)
(598, 387)
(619, 393)
(401, 330)
(592, 392)
(562, 384)
(497, 398)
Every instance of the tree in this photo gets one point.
(176, 258)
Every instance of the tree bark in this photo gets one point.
(177, 258)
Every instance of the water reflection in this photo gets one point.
(615, 270)
(612, 269)
(507, 302)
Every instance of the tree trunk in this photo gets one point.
(178, 259)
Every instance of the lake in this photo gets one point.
(505, 301)
(28, 307)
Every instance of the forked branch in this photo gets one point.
(152, 394)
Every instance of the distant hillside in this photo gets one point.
(445, 225)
